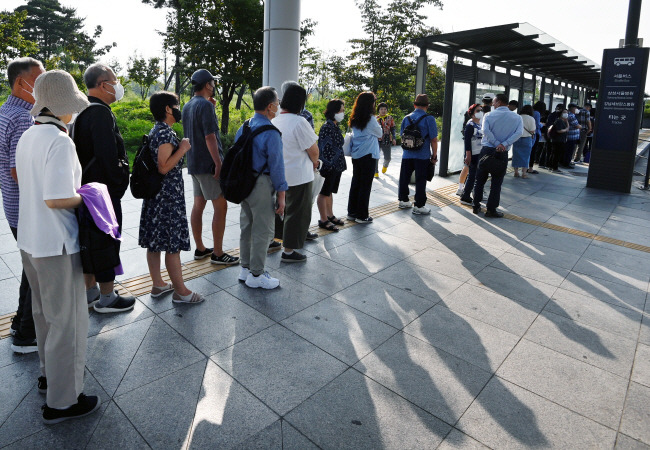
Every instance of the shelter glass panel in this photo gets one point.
(484, 88)
(528, 98)
(547, 101)
(456, 142)
(514, 94)
(557, 99)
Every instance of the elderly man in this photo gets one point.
(204, 165)
(101, 152)
(584, 119)
(15, 119)
(501, 128)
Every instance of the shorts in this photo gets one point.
(206, 186)
(331, 184)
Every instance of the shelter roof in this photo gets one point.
(519, 46)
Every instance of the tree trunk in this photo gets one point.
(240, 95)
(177, 70)
(227, 93)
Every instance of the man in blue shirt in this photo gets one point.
(501, 128)
(418, 160)
(257, 217)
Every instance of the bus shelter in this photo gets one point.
(516, 59)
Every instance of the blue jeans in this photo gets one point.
(420, 167)
(471, 177)
(497, 180)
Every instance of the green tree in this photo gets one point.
(12, 43)
(144, 73)
(58, 31)
(223, 36)
(384, 60)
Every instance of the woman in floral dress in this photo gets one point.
(163, 221)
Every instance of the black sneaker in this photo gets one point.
(493, 213)
(274, 244)
(42, 385)
(293, 257)
(15, 324)
(366, 220)
(24, 346)
(200, 254)
(224, 259)
(86, 404)
(311, 236)
(121, 304)
(476, 209)
(467, 201)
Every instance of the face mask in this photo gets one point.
(73, 118)
(29, 92)
(339, 116)
(276, 113)
(565, 116)
(177, 114)
(478, 115)
(119, 91)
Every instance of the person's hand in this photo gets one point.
(217, 172)
(185, 146)
(468, 159)
(280, 207)
(434, 158)
(315, 163)
(501, 148)
(394, 142)
(213, 101)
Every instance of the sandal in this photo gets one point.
(192, 298)
(327, 225)
(158, 291)
(336, 221)
(532, 171)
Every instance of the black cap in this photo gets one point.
(202, 76)
(573, 105)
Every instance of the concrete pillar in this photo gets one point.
(281, 42)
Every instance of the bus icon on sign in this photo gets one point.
(623, 61)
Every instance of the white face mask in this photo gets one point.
(276, 113)
(478, 115)
(339, 116)
(73, 118)
(29, 92)
(565, 116)
(119, 91)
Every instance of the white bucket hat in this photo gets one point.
(57, 91)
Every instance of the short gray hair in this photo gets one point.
(286, 85)
(94, 73)
(19, 67)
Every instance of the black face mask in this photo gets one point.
(177, 114)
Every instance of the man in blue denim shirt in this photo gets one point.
(257, 217)
(501, 128)
(418, 160)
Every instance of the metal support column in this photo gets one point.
(507, 91)
(542, 90)
(281, 42)
(632, 29)
(520, 99)
(472, 87)
(446, 117)
(421, 72)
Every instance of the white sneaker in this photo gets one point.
(423, 211)
(461, 190)
(264, 281)
(243, 274)
(405, 205)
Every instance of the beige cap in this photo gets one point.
(57, 91)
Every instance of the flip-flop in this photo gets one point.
(194, 298)
(158, 291)
(336, 221)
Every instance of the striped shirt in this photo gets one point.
(574, 132)
(15, 119)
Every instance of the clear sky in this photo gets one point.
(588, 26)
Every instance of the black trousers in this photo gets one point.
(497, 180)
(363, 171)
(471, 178)
(556, 155)
(420, 167)
(106, 276)
(24, 317)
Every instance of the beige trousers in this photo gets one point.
(60, 313)
(256, 222)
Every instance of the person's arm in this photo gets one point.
(14, 174)
(574, 122)
(392, 130)
(374, 128)
(487, 133)
(434, 149)
(213, 147)
(313, 154)
(105, 149)
(14, 137)
(167, 160)
(271, 144)
(64, 203)
(469, 134)
(59, 190)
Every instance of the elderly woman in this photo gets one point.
(300, 153)
(48, 238)
(364, 148)
(330, 145)
(163, 223)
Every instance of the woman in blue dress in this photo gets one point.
(163, 221)
(522, 147)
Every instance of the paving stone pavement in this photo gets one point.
(441, 331)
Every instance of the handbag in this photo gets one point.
(347, 144)
(431, 170)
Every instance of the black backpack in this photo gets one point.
(237, 178)
(146, 181)
(411, 137)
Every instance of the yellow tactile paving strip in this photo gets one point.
(441, 197)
